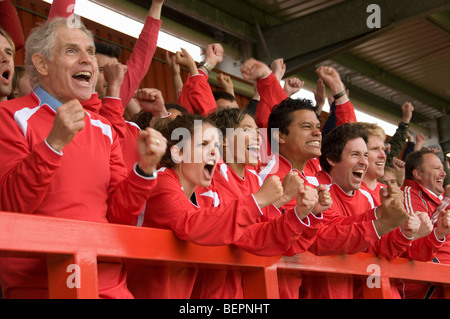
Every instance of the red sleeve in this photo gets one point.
(127, 132)
(307, 237)
(9, 21)
(273, 237)
(127, 194)
(344, 234)
(112, 110)
(425, 248)
(271, 93)
(25, 170)
(129, 145)
(413, 203)
(61, 8)
(196, 95)
(391, 245)
(140, 59)
(169, 208)
(345, 113)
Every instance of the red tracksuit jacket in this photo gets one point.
(418, 198)
(273, 234)
(88, 181)
(209, 221)
(357, 212)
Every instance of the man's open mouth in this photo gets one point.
(359, 173)
(83, 76)
(6, 74)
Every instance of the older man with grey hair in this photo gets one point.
(61, 160)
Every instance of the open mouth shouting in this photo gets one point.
(6, 76)
(253, 150)
(358, 174)
(84, 77)
(208, 169)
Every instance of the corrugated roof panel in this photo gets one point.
(417, 52)
(291, 9)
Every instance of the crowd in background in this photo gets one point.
(80, 139)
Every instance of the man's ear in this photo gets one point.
(417, 174)
(332, 163)
(279, 137)
(40, 63)
(177, 154)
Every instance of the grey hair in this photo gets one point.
(42, 40)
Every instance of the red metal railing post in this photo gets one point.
(261, 283)
(381, 292)
(73, 276)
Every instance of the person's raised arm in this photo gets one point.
(9, 21)
(142, 54)
(319, 96)
(61, 8)
(213, 56)
(152, 101)
(196, 95)
(226, 83)
(175, 72)
(397, 141)
(270, 91)
(345, 112)
(292, 86)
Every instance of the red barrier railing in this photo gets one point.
(66, 242)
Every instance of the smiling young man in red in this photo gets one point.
(351, 224)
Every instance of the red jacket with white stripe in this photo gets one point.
(273, 233)
(419, 199)
(209, 221)
(87, 181)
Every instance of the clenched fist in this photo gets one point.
(307, 198)
(151, 148)
(69, 120)
(270, 191)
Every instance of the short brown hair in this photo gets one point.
(373, 129)
(8, 38)
(414, 160)
(334, 142)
